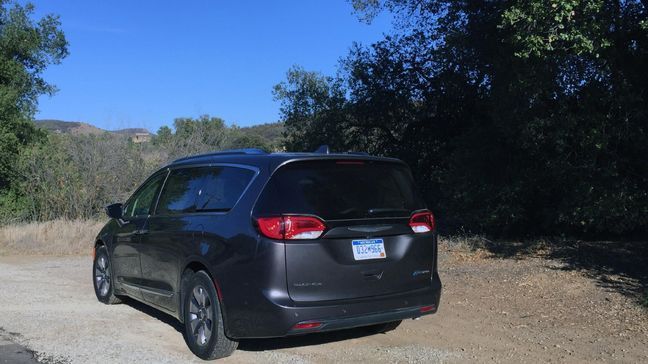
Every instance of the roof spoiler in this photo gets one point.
(324, 149)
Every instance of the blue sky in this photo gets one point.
(143, 63)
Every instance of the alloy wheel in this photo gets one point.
(102, 275)
(200, 315)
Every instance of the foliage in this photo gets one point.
(517, 117)
(541, 27)
(241, 140)
(205, 134)
(313, 109)
(74, 176)
(193, 136)
(27, 47)
(68, 176)
(268, 136)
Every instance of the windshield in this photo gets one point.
(335, 190)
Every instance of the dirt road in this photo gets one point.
(493, 310)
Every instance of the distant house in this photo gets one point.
(141, 138)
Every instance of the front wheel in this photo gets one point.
(103, 277)
(204, 330)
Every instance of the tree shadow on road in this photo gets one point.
(614, 265)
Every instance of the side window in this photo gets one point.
(222, 188)
(203, 189)
(180, 191)
(141, 202)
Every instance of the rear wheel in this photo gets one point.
(102, 277)
(204, 330)
(384, 327)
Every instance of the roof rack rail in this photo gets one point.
(249, 151)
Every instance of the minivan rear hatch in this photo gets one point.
(368, 246)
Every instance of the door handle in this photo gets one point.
(141, 232)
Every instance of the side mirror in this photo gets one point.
(115, 211)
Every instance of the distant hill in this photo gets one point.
(81, 128)
(271, 132)
(68, 127)
(131, 131)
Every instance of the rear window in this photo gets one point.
(335, 190)
(203, 189)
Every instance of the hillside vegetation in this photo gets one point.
(518, 118)
(74, 175)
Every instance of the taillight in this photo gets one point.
(291, 227)
(272, 227)
(307, 325)
(303, 227)
(422, 222)
(425, 309)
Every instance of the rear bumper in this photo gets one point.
(364, 320)
(277, 318)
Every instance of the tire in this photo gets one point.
(102, 277)
(384, 327)
(203, 320)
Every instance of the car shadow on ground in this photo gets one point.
(620, 266)
(260, 344)
(303, 340)
(156, 314)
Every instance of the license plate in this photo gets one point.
(368, 249)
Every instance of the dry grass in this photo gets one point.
(56, 237)
(464, 242)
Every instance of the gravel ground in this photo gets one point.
(493, 310)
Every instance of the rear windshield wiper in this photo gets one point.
(213, 210)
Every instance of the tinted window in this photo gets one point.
(341, 190)
(222, 187)
(141, 202)
(180, 191)
(203, 189)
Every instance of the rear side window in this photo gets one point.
(203, 189)
(336, 190)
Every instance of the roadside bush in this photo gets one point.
(67, 176)
(73, 177)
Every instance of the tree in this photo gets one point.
(27, 48)
(163, 136)
(518, 117)
(313, 108)
(192, 136)
(241, 141)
